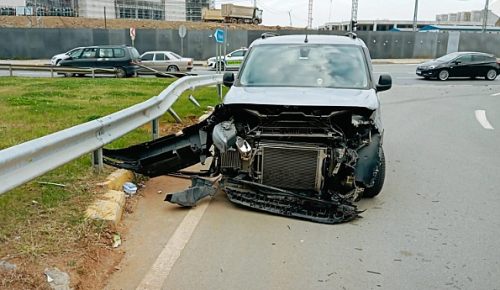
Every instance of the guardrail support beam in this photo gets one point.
(51, 72)
(174, 115)
(10, 70)
(155, 128)
(97, 160)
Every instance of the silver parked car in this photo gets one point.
(166, 61)
(62, 56)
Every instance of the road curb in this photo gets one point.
(110, 206)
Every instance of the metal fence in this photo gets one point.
(24, 162)
(56, 69)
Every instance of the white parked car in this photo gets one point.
(231, 61)
(58, 57)
(166, 61)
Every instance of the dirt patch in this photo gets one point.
(76, 22)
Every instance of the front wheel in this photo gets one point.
(379, 180)
(68, 75)
(491, 75)
(256, 22)
(443, 75)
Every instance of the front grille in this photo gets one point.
(293, 167)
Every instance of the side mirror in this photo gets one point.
(457, 62)
(228, 79)
(229, 55)
(384, 83)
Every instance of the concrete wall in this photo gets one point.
(44, 43)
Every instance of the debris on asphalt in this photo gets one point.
(117, 240)
(129, 187)
(373, 272)
(4, 265)
(57, 279)
(159, 191)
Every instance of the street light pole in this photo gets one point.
(485, 16)
(415, 17)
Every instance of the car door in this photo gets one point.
(161, 61)
(234, 59)
(461, 66)
(86, 59)
(105, 58)
(480, 64)
(147, 59)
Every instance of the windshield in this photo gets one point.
(330, 66)
(135, 53)
(448, 57)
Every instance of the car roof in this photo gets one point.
(470, 52)
(108, 46)
(311, 39)
(160, 51)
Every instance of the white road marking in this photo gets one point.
(160, 270)
(406, 77)
(481, 117)
(380, 72)
(497, 94)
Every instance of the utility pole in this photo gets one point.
(415, 16)
(485, 16)
(310, 15)
(290, 15)
(354, 15)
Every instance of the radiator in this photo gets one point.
(292, 166)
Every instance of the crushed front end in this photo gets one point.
(306, 162)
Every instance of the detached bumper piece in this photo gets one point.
(199, 189)
(290, 204)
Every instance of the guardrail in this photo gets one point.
(24, 162)
(55, 69)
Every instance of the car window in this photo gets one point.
(147, 56)
(76, 54)
(465, 58)
(478, 58)
(105, 52)
(135, 54)
(72, 50)
(119, 52)
(490, 58)
(176, 55)
(89, 53)
(238, 53)
(160, 56)
(448, 57)
(332, 66)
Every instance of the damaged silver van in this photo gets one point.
(298, 134)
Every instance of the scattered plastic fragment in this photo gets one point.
(48, 278)
(129, 187)
(117, 240)
(51, 183)
(159, 191)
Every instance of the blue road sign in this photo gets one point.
(219, 35)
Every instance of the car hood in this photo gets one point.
(432, 62)
(61, 55)
(303, 97)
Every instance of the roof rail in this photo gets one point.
(269, 34)
(351, 35)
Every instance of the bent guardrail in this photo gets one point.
(24, 162)
(55, 69)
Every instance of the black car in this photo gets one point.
(123, 58)
(461, 64)
(299, 132)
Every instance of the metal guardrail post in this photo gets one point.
(10, 70)
(174, 115)
(93, 73)
(51, 72)
(155, 128)
(97, 160)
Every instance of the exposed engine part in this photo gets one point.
(224, 136)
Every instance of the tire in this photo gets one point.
(223, 67)
(427, 78)
(234, 20)
(443, 75)
(379, 180)
(172, 68)
(256, 22)
(241, 21)
(68, 75)
(121, 72)
(81, 75)
(491, 75)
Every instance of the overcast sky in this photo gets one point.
(276, 11)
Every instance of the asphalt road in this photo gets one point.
(436, 224)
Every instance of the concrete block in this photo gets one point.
(109, 207)
(116, 179)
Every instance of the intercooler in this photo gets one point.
(292, 166)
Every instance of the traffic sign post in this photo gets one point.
(219, 39)
(132, 35)
(219, 36)
(182, 33)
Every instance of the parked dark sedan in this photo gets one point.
(461, 64)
